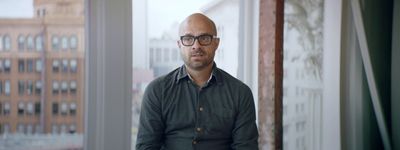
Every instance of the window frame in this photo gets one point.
(109, 26)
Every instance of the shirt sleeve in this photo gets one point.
(245, 133)
(151, 126)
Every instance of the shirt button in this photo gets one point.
(201, 109)
(194, 142)
(198, 129)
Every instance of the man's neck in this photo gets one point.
(200, 77)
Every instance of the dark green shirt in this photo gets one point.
(178, 115)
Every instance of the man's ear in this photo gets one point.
(178, 43)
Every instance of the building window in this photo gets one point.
(63, 129)
(38, 87)
(20, 128)
(56, 65)
(39, 65)
(39, 43)
(55, 108)
(21, 65)
(55, 87)
(64, 65)
(21, 87)
(64, 108)
(30, 65)
(1, 65)
(72, 128)
(1, 88)
(37, 108)
(7, 88)
(6, 129)
(38, 129)
(29, 129)
(64, 43)
(30, 43)
(73, 64)
(21, 108)
(7, 108)
(1, 43)
(29, 108)
(72, 87)
(74, 42)
(29, 87)
(72, 109)
(64, 87)
(1, 110)
(55, 43)
(7, 65)
(54, 129)
(21, 42)
(7, 43)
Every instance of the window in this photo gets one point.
(1, 66)
(29, 129)
(56, 65)
(38, 87)
(7, 108)
(20, 128)
(55, 43)
(64, 43)
(1, 88)
(55, 87)
(7, 88)
(54, 129)
(64, 87)
(6, 129)
(1, 43)
(29, 87)
(64, 65)
(30, 43)
(37, 108)
(29, 108)
(7, 43)
(21, 65)
(73, 65)
(38, 129)
(55, 108)
(63, 129)
(21, 42)
(30, 65)
(21, 87)
(21, 108)
(72, 128)
(7, 65)
(39, 65)
(39, 43)
(73, 42)
(64, 108)
(72, 109)
(72, 87)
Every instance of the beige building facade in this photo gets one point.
(42, 70)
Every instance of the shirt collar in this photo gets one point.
(182, 73)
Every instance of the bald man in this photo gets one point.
(197, 106)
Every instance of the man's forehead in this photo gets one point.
(197, 24)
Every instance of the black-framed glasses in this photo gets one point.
(204, 40)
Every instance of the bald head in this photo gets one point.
(197, 22)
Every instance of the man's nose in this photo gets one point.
(196, 45)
